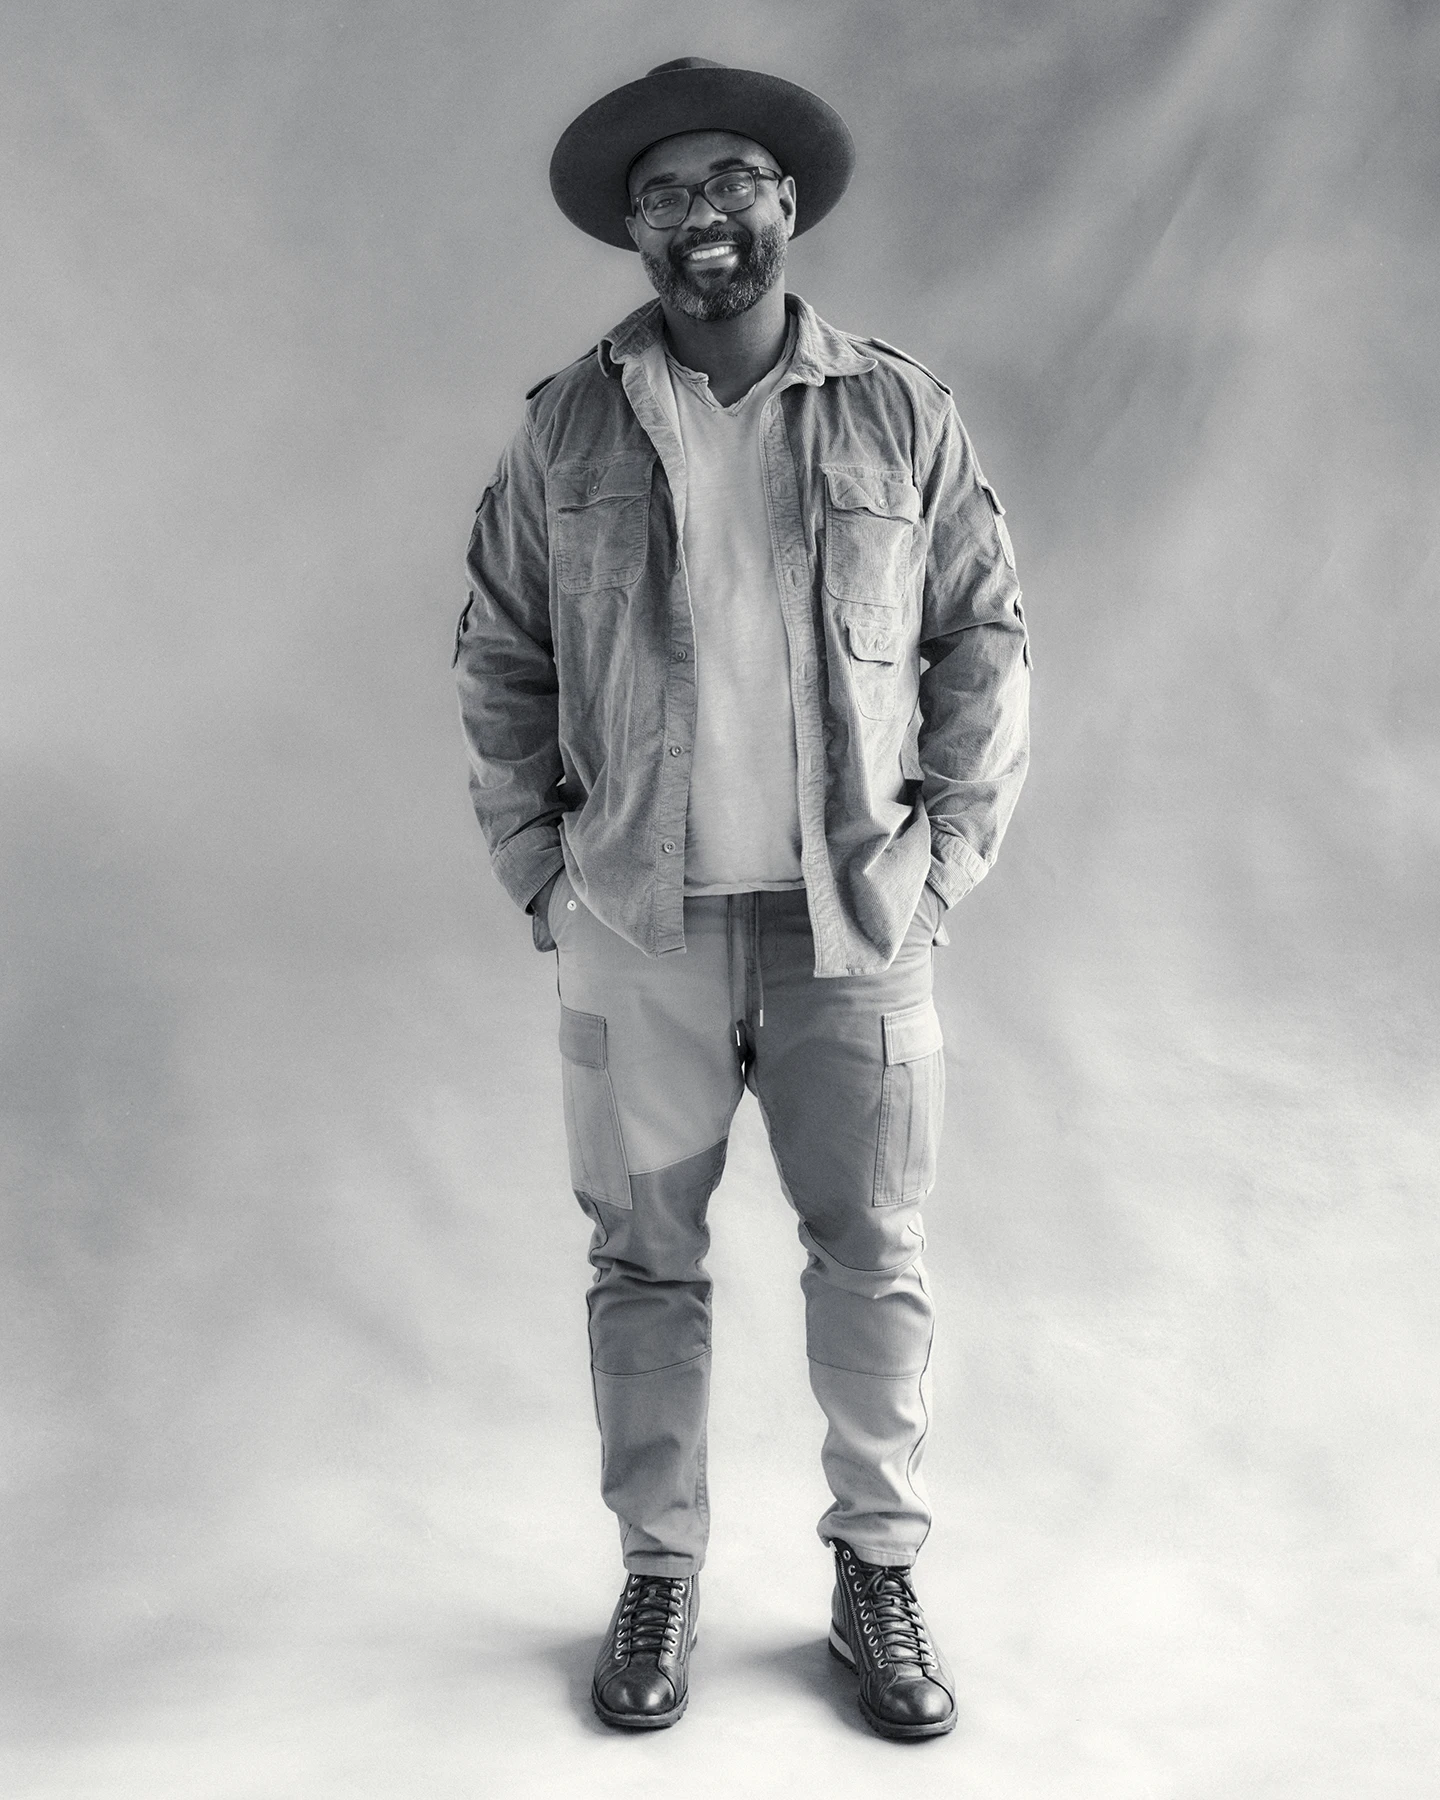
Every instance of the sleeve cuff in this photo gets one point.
(954, 868)
(525, 862)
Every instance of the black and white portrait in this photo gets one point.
(720, 836)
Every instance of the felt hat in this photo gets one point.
(807, 138)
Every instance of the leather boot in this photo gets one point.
(642, 1675)
(878, 1629)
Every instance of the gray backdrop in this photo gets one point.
(299, 1462)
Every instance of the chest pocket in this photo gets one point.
(870, 520)
(600, 522)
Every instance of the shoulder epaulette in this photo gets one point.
(890, 350)
(530, 393)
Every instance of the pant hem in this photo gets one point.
(660, 1563)
(888, 1555)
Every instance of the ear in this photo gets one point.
(630, 227)
(785, 194)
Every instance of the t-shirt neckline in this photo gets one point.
(699, 382)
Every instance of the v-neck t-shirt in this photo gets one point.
(742, 830)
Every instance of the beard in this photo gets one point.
(760, 264)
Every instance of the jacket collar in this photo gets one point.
(820, 350)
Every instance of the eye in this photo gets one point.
(660, 203)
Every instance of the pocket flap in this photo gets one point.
(584, 483)
(582, 1037)
(873, 643)
(913, 1033)
(879, 491)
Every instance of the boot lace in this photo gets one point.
(890, 1613)
(652, 1615)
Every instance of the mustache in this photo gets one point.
(738, 235)
(760, 261)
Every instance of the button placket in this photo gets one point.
(788, 541)
(679, 697)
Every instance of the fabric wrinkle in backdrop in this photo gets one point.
(300, 1470)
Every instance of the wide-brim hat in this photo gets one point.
(806, 137)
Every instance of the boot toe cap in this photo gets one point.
(638, 1693)
(916, 1703)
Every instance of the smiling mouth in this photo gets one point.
(710, 253)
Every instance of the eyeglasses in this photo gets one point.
(731, 191)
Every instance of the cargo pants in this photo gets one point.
(850, 1076)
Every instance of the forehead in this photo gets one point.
(692, 155)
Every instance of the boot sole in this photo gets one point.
(642, 1721)
(887, 1728)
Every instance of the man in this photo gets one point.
(743, 677)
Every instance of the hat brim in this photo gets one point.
(807, 138)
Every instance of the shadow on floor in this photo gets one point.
(810, 1668)
(573, 1659)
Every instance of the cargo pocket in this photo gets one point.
(592, 1124)
(912, 1105)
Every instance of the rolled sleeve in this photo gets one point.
(506, 676)
(974, 739)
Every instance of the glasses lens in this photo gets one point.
(663, 207)
(731, 192)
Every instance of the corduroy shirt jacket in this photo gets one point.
(909, 665)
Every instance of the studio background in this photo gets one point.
(300, 1465)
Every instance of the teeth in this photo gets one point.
(707, 251)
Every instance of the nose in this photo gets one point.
(708, 211)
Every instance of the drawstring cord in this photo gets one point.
(730, 969)
(751, 957)
(759, 971)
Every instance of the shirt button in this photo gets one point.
(675, 750)
(682, 656)
(668, 846)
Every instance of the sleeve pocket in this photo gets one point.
(1002, 529)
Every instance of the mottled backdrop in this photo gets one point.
(299, 1470)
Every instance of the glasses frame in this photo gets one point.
(692, 188)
